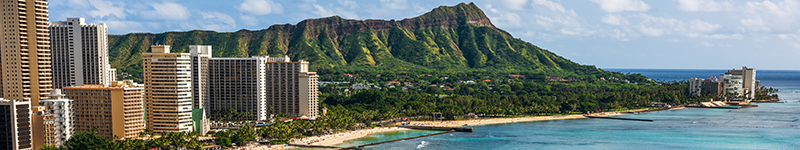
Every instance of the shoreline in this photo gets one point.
(341, 137)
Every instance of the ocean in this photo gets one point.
(769, 126)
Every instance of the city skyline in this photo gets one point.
(681, 34)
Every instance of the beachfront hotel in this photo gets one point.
(15, 117)
(25, 70)
(238, 84)
(291, 88)
(255, 86)
(168, 90)
(116, 109)
(736, 83)
(748, 80)
(80, 53)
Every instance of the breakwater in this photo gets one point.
(632, 119)
(456, 129)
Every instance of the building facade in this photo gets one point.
(25, 70)
(79, 53)
(694, 86)
(57, 120)
(15, 119)
(116, 109)
(238, 84)
(200, 55)
(748, 84)
(291, 88)
(733, 84)
(168, 90)
(712, 87)
(252, 87)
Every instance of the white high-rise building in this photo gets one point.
(61, 109)
(80, 53)
(168, 90)
(748, 83)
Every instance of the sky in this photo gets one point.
(642, 34)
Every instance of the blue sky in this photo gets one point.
(662, 34)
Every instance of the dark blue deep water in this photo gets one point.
(769, 126)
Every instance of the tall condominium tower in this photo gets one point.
(115, 109)
(238, 84)
(79, 53)
(168, 90)
(255, 86)
(15, 117)
(200, 55)
(58, 114)
(225, 84)
(291, 89)
(25, 70)
(748, 84)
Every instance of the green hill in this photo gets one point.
(453, 38)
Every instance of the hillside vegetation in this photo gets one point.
(453, 38)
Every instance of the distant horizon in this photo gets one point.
(757, 69)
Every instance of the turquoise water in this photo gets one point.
(769, 126)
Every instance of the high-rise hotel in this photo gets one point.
(255, 86)
(168, 90)
(80, 53)
(291, 88)
(225, 84)
(25, 70)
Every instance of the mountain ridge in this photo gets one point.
(448, 38)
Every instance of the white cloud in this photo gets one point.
(715, 36)
(348, 3)
(118, 26)
(623, 36)
(702, 26)
(515, 4)
(507, 19)
(704, 5)
(217, 21)
(614, 19)
(704, 43)
(766, 16)
(707, 44)
(394, 4)
(658, 26)
(248, 20)
(622, 5)
(260, 7)
(322, 12)
(554, 6)
(167, 11)
(106, 8)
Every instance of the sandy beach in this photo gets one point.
(341, 137)
(333, 139)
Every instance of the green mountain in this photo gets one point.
(446, 39)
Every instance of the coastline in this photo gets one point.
(341, 137)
